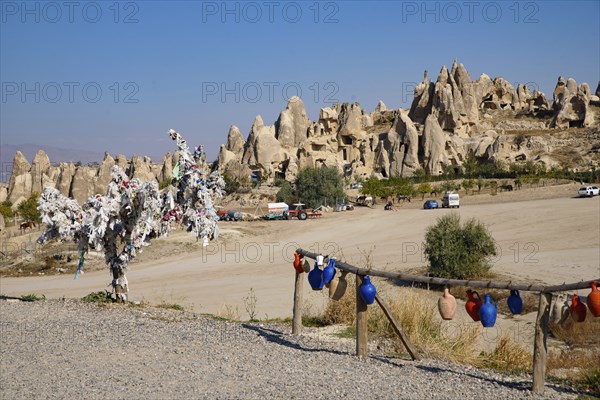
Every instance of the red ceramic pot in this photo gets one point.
(578, 309)
(472, 305)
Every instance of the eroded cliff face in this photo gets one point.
(448, 120)
(77, 181)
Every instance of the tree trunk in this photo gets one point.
(120, 285)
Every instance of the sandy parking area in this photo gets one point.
(552, 239)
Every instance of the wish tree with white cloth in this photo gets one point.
(132, 213)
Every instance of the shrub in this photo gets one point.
(33, 297)
(458, 251)
(98, 297)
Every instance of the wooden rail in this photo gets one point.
(456, 282)
(541, 327)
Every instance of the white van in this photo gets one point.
(451, 200)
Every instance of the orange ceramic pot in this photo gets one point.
(593, 299)
(578, 309)
(447, 305)
(472, 305)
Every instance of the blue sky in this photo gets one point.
(116, 76)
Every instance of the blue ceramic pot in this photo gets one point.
(515, 302)
(368, 291)
(315, 278)
(329, 271)
(488, 312)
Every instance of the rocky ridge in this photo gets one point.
(78, 181)
(448, 120)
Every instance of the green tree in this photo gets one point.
(317, 186)
(372, 187)
(420, 175)
(231, 184)
(28, 209)
(494, 187)
(471, 166)
(480, 184)
(6, 209)
(458, 251)
(424, 188)
(401, 186)
(468, 184)
(286, 193)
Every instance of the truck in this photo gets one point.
(451, 200)
(278, 211)
(588, 191)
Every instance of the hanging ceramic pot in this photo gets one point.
(488, 312)
(472, 305)
(578, 309)
(593, 299)
(338, 286)
(515, 302)
(367, 291)
(447, 305)
(560, 309)
(298, 263)
(329, 271)
(306, 266)
(315, 278)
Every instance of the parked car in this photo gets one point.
(356, 185)
(589, 191)
(344, 206)
(430, 204)
(365, 201)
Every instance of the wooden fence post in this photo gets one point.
(361, 321)
(297, 318)
(409, 347)
(540, 344)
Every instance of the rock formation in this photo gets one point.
(572, 104)
(448, 120)
(76, 181)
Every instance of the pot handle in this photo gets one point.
(476, 293)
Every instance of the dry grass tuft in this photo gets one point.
(508, 356)
(573, 358)
(578, 334)
(424, 329)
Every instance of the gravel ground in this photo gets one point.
(72, 349)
